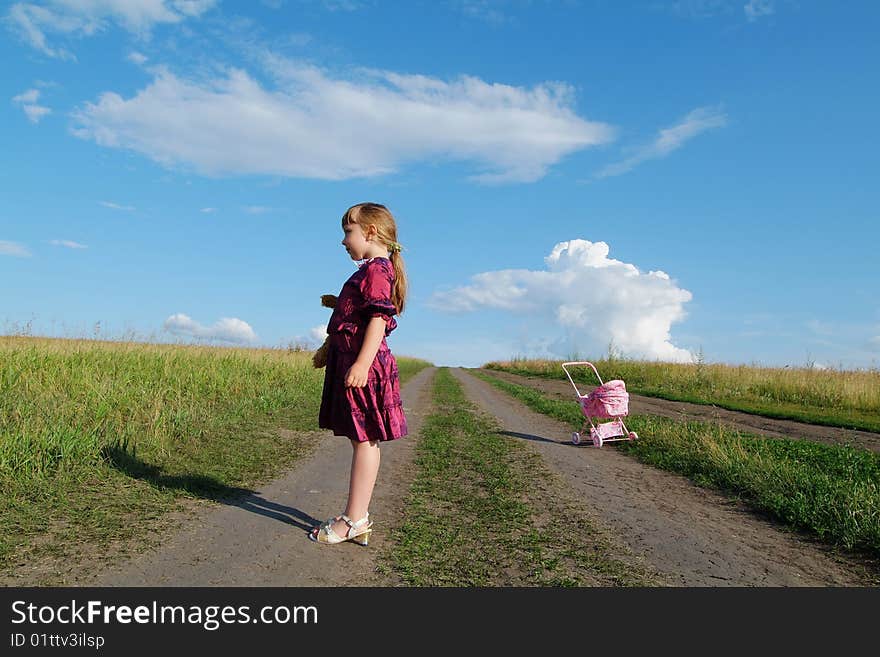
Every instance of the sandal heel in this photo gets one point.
(363, 539)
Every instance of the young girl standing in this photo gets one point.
(361, 398)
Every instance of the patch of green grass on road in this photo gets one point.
(484, 510)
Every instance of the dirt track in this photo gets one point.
(262, 540)
(689, 536)
(684, 411)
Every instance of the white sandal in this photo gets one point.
(359, 531)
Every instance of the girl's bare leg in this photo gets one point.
(364, 469)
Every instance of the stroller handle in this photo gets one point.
(580, 362)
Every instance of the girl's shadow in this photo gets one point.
(207, 488)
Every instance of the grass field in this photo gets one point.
(832, 492)
(840, 398)
(96, 438)
(100, 439)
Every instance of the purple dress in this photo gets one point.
(374, 412)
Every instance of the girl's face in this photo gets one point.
(355, 242)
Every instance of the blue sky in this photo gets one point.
(655, 178)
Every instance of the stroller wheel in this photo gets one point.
(632, 435)
(597, 441)
(575, 438)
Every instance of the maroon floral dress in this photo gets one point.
(374, 412)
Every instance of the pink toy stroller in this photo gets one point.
(609, 400)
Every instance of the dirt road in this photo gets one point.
(684, 411)
(262, 540)
(691, 536)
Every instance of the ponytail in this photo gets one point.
(398, 291)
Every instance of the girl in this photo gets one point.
(361, 398)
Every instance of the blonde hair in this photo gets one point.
(378, 216)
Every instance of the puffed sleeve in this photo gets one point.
(376, 291)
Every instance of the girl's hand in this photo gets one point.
(356, 377)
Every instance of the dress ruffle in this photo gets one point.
(372, 412)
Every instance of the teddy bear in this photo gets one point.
(319, 360)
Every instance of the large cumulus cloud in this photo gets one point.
(585, 301)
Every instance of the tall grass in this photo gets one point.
(62, 403)
(849, 399)
(95, 433)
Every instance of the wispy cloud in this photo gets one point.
(313, 125)
(755, 9)
(208, 210)
(14, 249)
(593, 299)
(137, 58)
(313, 339)
(700, 9)
(341, 5)
(228, 329)
(28, 102)
(78, 18)
(68, 243)
(670, 139)
(490, 11)
(256, 209)
(116, 206)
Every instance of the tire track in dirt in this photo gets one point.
(262, 539)
(685, 411)
(692, 536)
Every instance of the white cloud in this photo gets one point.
(318, 333)
(594, 299)
(315, 126)
(29, 96)
(137, 58)
(226, 330)
(80, 18)
(208, 210)
(116, 206)
(313, 340)
(754, 9)
(670, 139)
(699, 8)
(28, 102)
(69, 244)
(484, 10)
(35, 112)
(256, 209)
(14, 249)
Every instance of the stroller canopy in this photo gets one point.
(608, 400)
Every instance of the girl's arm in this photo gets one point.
(356, 376)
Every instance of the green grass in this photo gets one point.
(849, 399)
(831, 492)
(485, 511)
(99, 438)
